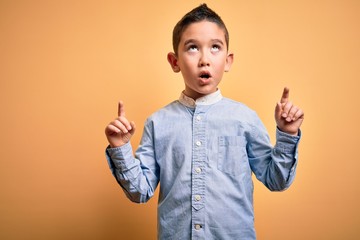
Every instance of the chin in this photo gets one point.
(206, 91)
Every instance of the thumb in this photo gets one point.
(278, 110)
(133, 128)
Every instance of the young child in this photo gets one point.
(203, 148)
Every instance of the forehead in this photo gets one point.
(203, 30)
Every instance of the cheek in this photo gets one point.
(220, 67)
(186, 74)
(188, 67)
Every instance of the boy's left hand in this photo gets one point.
(288, 117)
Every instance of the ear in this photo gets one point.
(172, 59)
(229, 61)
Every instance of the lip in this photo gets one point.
(204, 80)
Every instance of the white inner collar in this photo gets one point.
(205, 100)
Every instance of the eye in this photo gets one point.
(215, 48)
(193, 48)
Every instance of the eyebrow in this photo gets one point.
(190, 41)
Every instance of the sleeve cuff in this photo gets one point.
(120, 157)
(286, 143)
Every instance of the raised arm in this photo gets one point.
(276, 167)
(138, 176)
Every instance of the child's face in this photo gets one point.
(202, 58)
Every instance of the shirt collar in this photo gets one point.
(205, 100)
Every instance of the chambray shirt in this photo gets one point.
(203, 153)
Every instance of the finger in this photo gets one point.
(110, 129)
(285, 95)
(291, 113)
(286, 109)
(121, 109)
(126, 122)
(122, 124)
(298, 115)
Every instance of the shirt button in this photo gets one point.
(198, 170)
(198, 143)
(198, 117)
(197, 198)
(197, 226)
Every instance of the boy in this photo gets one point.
(204, 148)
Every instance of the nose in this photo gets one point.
(204, 60)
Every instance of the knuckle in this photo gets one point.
(122, 119)
(115, 122)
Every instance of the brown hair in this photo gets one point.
(201, 13)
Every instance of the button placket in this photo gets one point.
(198, 172)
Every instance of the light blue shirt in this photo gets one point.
(203, 153)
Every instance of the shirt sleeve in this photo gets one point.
(137, 175)
(274, 166)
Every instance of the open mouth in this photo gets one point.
(205, 75)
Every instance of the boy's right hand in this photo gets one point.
(119, 131)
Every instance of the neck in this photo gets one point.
(195, 95)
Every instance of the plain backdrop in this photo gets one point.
(65, 64)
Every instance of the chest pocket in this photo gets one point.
(232, 156)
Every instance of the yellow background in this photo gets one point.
(65, 64)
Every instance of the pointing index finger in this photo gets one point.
(285, 95)
(121, 109)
